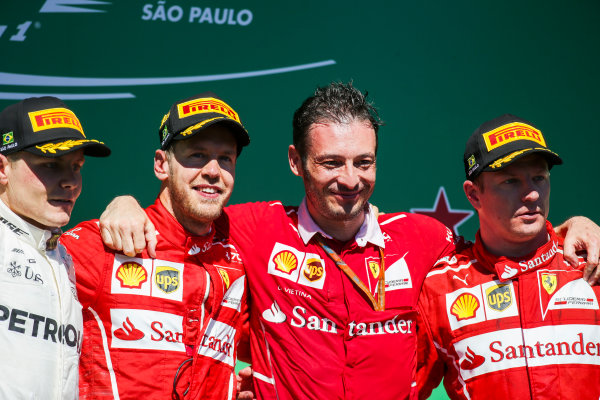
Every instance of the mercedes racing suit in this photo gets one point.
(502, 328)
(314, 334)
(40, 317)
(144, 317)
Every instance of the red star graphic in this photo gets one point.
(443, 213)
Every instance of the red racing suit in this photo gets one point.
(502, 328)
(144, 317)
(314, 334)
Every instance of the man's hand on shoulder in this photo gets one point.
(245, 388)
(580, 234)
(125, 227)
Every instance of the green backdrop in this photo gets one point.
(435, 69)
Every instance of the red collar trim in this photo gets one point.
(171, 230)
(508, 268)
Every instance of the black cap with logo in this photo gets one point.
(189, 116)
(46, 127)
(501, 141)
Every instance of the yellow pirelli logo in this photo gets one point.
(512, 132)
(54, 118)
(208, 105)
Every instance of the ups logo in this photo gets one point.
(499, 297)
(313, 271)
(167, 279)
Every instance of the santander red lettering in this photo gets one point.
(167, 335)
(578, 347)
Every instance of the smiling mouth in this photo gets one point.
(61, 202)
(210, 191)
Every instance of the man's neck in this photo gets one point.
(512, 249)
(195, 227)
(342, 230)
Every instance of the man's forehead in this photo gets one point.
(75, 155)
(211, 137)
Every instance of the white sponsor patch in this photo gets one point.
(147, 277)
(397, 276)
(304, 268)
(465, 307)
(536, 347)
(218, 342)
(131, 275)
(233, 296)
(148, 330)
(490, 300)
(576, 294)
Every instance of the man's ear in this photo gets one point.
(4, 164)
(473, 192)
(295, 161)
(161, 165)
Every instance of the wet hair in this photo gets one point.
(337, 103)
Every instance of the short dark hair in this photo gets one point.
(338, 103)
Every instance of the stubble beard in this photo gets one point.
(192, 211)
(331, 209)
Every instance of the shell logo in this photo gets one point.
(131, 275)
(464, 306)
(285, 261)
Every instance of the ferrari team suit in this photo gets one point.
(40, 317)
(505, 328)
(314, 333)
(144, 317)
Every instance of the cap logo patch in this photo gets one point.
(471, 161)
(64, 146)
(54, 118)
(512, 132)
(208, 105)
(8, 138)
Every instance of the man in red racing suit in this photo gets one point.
(135, 309)
(314, 333)
(146, 319)
(509, 318)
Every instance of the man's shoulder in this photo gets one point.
(407, 218)
(405, 224)
(457, 261)
(261, 209)
(82, 237)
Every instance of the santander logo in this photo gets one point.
(128, 331)
(471, 360)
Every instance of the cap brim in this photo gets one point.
(92, 148)
(240, 133)
(551, 157)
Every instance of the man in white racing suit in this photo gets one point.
(42, 152)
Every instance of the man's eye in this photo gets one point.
(364, 163)
(331, 164)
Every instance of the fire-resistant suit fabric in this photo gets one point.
(40, 317)
(526, 328)
(314, 334)
(144, 317)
